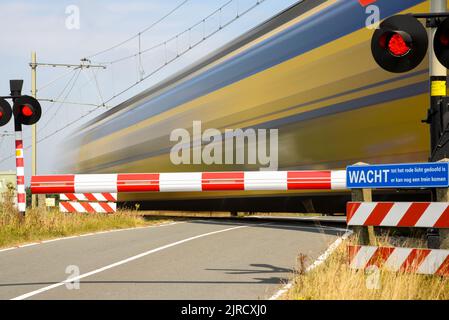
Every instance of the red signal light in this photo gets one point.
(441, 43)
(398, 46)
(444, 39)
(27, 111)
(5, 112)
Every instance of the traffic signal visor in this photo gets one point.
(400, 44)
(27, 110)
(441, 43)
(5, 112)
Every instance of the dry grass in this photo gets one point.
(333, 280)
(41, 224)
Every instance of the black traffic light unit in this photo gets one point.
(401, 42)
(26, 109)
(441, 43)
(5, 112)
(400, 45)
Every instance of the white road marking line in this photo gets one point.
(88, 234)
(317, 262)
(279, 224)
(116, 264)
(299, 219)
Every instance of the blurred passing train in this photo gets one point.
(307, 72)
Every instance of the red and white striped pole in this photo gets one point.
(20, 170)
(190, 181)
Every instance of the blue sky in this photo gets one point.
(40, 25)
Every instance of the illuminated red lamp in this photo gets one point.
(441, 43)
(400, 44)
(27, 110)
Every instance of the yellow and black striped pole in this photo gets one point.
(437, 113)
(438, 85)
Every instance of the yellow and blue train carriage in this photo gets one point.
(307, 72)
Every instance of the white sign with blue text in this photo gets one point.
(404, 175)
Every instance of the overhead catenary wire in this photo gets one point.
(70, 83)
(73, 103)
(64, 99)
(178, 55)
(141, 32)
(48, 84)
(258, 2)
(142, 78)
(56, 131)
(200, 22)
(65, 87)
(100, 96)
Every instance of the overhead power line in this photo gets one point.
(205, 36)
(63, 100)
(73, 102)
(141, 32)
(192, 45)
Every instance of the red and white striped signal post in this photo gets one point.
(26, 111)
(20, 170)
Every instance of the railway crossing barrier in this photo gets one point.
(88, 202)
(399, 214)
(190, 181)
(364, 215)
(78, 191)
(421, 261)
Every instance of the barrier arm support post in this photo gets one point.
(365, 235)
(442, 195)
(16, 91)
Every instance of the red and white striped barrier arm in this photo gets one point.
(87, 207)
(20, 172)
(101, 197)
(421, 261)
(190, 181)
(398, 214)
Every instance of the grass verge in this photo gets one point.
(334, 280)
(43, 225)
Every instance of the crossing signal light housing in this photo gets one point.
(441, 43)
(27, 110)
(400, 44)
(5, 112)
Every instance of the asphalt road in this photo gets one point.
(189, 260)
